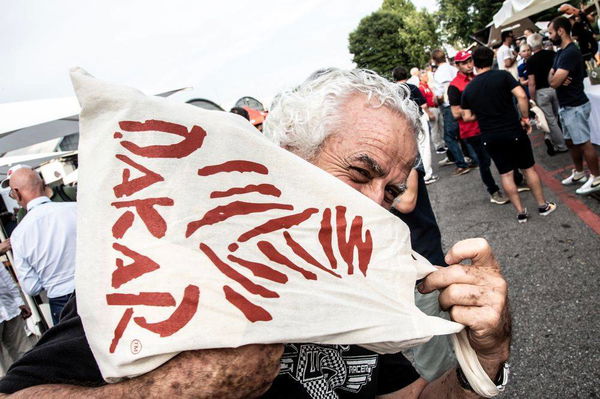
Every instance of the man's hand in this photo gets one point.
(25, 312)
(526, 125)
(567, 81)
(477, 296)
(4, 246)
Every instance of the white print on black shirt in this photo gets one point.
(321, 369)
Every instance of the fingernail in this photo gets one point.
(420, 287)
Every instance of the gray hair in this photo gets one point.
(301, 119)
(524, 46)
(535, 41)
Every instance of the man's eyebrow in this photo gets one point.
(371, 164)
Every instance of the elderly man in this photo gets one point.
(359, 128)
(43, 244)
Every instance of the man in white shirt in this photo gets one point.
(444, 74)
(506, 57)
(13, 339)
(44, 242)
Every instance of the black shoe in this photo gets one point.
(550, 147)
(522, 217)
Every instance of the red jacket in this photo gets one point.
(428, 94)
(467, 129)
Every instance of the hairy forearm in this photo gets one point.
(446, 386)
(244, 372)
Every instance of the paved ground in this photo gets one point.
(552, 265)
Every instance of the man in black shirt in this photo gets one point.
(489, 99)
(566, 76)
(538, 67)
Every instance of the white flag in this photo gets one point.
(196, 232)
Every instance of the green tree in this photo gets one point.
(397, 34)
(376, 43)
(458, 19)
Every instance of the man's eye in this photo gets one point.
(363, 172)
(391, 192)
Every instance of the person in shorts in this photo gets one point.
(469, 131)
(488, 98)
(566, 76)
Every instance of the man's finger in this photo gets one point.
(478, 319)
(473, 295)
(464, 295)
(455, 274)
(476, 249)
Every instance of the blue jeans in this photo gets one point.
(483, 159)
(451, 137)
(56, 306)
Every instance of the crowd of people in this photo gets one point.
(466, 108)
(482, 107)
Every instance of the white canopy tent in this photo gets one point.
(33, 160)
(514, 10)
(26, 123)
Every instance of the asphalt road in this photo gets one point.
(552, 265)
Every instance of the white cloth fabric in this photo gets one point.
(505, 52)
(10, 297)
(223, 258)
(424, 146)
(437, 128)
(593, 93)
(44, 246)
(443, 76)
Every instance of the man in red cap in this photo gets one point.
(469, 131)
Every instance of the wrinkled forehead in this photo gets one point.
(385, 133)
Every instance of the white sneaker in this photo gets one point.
(431, 179)
(575, 178)
(445, 162)
(592, 185)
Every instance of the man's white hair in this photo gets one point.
(535, 41)
(302, 118)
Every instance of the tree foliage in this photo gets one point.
(397, 34)
(460, 18)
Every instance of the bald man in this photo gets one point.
(43, 244)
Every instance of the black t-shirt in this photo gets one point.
(539, 65)
(416, 96)
(63, 356)
(425, 236)
(570, 59)
(454, 95)
(310, 371)
(490, 98)
(585, 38)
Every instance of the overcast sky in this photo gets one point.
(224, 49)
